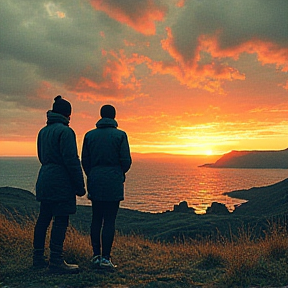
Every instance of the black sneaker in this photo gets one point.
(63, 268)
(40, 262)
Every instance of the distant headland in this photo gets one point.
(270, 159)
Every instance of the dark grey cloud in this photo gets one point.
(62, 41)
(236, 22)
(48, 41)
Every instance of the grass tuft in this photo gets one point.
(241, 261)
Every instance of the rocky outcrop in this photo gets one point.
(183, 207)
(218, 209)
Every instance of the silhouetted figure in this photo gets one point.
(60, 179)
(105, 159)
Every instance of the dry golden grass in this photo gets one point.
(234, 262)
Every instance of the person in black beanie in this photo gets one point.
(62, 106)
(105, 160)
(59, 180)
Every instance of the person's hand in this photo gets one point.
(81, 193)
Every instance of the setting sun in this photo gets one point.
(207, 91)
(209, 152)
(200, 91)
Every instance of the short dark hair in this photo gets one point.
(108, 111)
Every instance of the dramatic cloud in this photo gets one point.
(140, 15)
(118, 80)
(163, 63)
(41, 44)
(235, 23)
(208, 34)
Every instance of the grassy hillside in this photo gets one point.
(263, 201)
(158, 250)
(227, 262)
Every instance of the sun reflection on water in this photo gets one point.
(156, 186)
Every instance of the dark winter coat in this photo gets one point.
(60, 177)
(105, 159)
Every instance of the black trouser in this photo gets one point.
(103, 226)
(59, 227)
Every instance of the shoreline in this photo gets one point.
(264, 203)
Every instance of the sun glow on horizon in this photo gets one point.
(17, 148)
(209, 152)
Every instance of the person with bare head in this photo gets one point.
(105, 160)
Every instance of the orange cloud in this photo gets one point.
(267, 52)
(285, 86)
(207, 66)
(270, 53)
(118, 80)
(195, 73)
(181, 3)
(140, 15)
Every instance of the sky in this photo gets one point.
(186, 77)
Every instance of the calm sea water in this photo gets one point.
(156, 185)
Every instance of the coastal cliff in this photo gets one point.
(252, 159)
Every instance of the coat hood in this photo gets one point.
(53, 117)
(106, 122)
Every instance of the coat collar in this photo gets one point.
(106, 122)
(53, 117)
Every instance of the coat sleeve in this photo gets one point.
(39, 148)
(68, 149)
(125, 156)
(85, 157)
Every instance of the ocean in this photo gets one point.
(156, 185)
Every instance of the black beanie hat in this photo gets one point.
(61, 106)
(108, 111)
